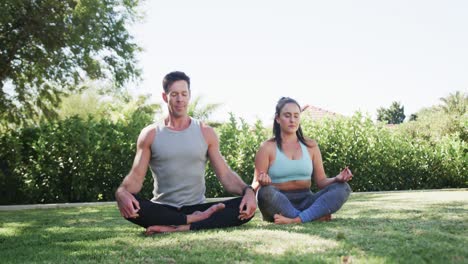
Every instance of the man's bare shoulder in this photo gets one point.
(150, 129)
(147, 135)
(208, 131)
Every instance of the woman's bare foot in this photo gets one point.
(165, 229)
(325, 218)
(283, 220)
(198, 216)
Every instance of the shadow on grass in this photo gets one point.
(437, 233)
(428, 233)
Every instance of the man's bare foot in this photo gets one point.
(165, 229)
(198, 216)
(283, 220)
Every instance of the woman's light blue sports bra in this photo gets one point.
(285, 169)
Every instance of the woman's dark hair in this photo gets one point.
(276, 126)
(172, 77)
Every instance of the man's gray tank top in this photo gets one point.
(178, 160)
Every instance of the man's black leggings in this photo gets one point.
(159, 214)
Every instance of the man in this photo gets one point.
(176, 152)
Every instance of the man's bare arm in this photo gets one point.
(228, 178)
(133, 182)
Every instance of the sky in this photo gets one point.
(342, 56)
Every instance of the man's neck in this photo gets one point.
(177, 123)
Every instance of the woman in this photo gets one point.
(284, 166)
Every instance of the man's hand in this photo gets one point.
(344, 176)
(263, 179)
(128, 205)
(248, 205)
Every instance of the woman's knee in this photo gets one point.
(266, 204)
(266, 193)
(346, 188)
(337, 195)
(342, 188)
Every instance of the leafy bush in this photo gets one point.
(68, 161)
(11, 186)
(432, 124)
(76, 160)
(238, 144)
(383, 158)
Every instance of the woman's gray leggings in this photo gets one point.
(303, 203)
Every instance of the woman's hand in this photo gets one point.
(344, 176)
(263, 179)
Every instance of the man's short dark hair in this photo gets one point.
(172, 77)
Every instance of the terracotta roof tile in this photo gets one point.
(317, 113)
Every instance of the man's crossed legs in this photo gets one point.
(159, 218)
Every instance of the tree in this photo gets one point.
(198, 111)
(83, 104)
(413, 117)
(456, 103)
(433, 124)
(92, 103)
(48, 47)
(395, 114)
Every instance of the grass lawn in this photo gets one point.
(395, 227)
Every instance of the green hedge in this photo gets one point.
(238, 144)
(384, 158)
(76, 160)
(67, 161)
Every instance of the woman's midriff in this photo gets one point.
(293, 185)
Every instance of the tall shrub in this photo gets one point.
(70, 160)
(238, 144)
(381, 158)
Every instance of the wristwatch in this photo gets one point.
(245, 189)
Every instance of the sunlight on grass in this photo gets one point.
(278, 242)
(412, 202)
(425, 197)
(388, 227)
(13, 229)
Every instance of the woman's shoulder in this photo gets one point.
(312, 147)
(311, 143)
(268, 145)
